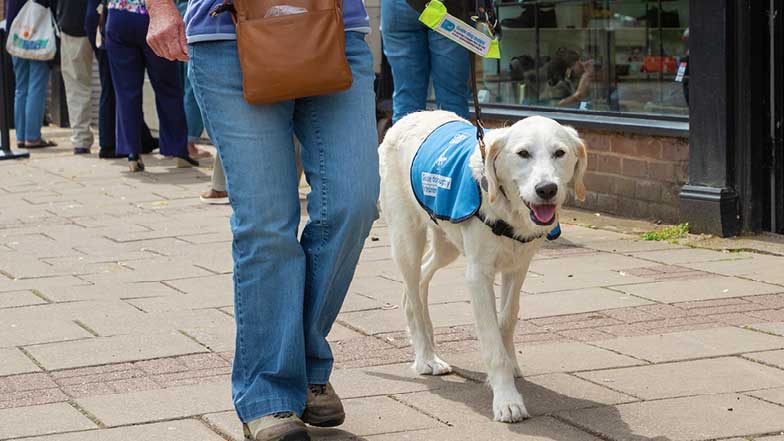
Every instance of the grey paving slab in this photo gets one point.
(13, 361)
(687, 255)
(693, 344)
(223, 283)
(770, 395)
(757, 267)
(39, 284)
(117, 349)
(758, 438)
(567, 280)
(773, 328)
(387, 380)
(71, 311)
(669, 380)
(15, 299)
(364, 416)
(27, 331)
(629, 246)
(549, 358)
(536, 429)
(771, 358)
(160, 322)
(107, 291)
(340, 332)
(211, 299)
(674, 291)
(469, 404)
(41, 420)
(575, 302)
(391, 320)
(682, 419)
(587, 263)
(180, 430)
(158, 405)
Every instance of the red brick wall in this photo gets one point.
(635, 176)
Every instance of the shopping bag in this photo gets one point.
(32, 34)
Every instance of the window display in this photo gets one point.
(628, 56)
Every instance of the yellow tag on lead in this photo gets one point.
(438, 19)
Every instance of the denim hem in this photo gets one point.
(262, 408)
(319, 376)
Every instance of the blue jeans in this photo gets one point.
(415, 53)
(288, 291)
(32, 78)
(193, 116)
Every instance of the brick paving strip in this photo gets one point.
(116, 323)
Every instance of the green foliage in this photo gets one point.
(670, 233)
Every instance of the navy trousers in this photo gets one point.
(129, 56)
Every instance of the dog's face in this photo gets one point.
(531, 163)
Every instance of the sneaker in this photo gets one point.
(323, 408)
(283, 426)
(214, 197)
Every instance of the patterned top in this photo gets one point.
(136, 6)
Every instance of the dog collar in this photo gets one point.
(502, 228)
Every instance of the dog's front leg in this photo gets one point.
(508, 404)
(511, 284)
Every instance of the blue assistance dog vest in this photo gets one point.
(440, 173)
(441, 176)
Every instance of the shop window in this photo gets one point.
(625, 56)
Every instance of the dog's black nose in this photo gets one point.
(547, 190)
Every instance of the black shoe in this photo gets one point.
(186, 162)
(151, 147)
(41, 144)
(109, 154)
(81, 150)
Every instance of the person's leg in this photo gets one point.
(37, 87)
(405, 46)
(126, 62)
(22, 77)
(76, 60)
(107, 107)
(340, 158)
(450, 67)
(255, 146)
(192, 113)
(165, 78)
(218, 178)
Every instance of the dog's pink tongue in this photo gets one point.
(544, 213)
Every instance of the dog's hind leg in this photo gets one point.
(407, 251)
(440, 254)
(511, 283)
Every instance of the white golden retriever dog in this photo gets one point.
(524, 182)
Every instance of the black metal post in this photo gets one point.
(6, 103)
(709, 202)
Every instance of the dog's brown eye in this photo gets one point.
(524, 154)
(559, 153)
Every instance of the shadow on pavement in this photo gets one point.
(539, 400)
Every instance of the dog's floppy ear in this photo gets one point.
(493, 188)
(582, 163)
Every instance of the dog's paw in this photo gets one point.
(433, 366)
(510, 410)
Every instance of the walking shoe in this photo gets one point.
(186, 162)
(214, 197)
(323, 408)
(81, 150)
(283, 426)
(135, 163)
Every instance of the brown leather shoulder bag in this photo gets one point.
(292, 54)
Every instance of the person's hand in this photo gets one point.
(166, 33)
